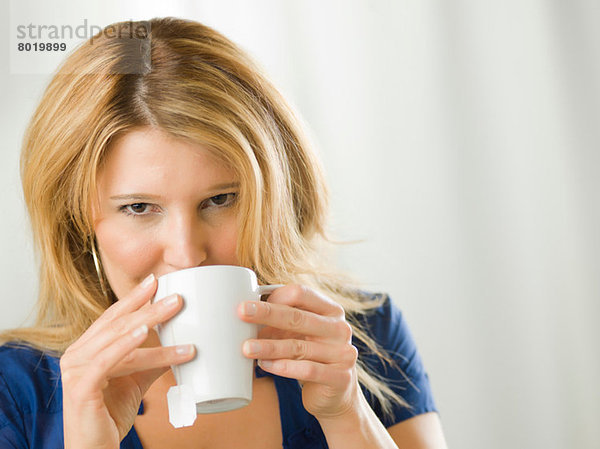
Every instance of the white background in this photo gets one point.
(461, 141)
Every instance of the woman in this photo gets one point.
(160, 146)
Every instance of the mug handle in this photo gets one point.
(267, 289)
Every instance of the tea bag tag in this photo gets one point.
(182, 406)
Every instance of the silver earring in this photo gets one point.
(97, 265)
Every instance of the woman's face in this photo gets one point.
(163, 205)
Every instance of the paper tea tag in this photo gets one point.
(182, 406)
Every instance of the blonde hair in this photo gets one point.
(192, 83)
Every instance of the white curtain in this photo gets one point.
(462, 143)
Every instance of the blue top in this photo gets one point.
(31, 391)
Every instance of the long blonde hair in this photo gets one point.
(192, 83)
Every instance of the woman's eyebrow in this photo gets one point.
(135, 197)
(148, 197)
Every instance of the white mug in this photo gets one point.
(220, 377)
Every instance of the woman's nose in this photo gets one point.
(184, 243)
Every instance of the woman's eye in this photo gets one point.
(135, 208)
(222, 200)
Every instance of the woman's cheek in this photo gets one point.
(127, 256)
(223, 244)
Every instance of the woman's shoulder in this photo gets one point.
(383, 320)
(386, 325)
(19, 359)
(30, 377)
(400, 365)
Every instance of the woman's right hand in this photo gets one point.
(105, 373)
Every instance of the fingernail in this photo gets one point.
(148, 281)
(249, 309)
(184, 349)
(142, 330)
(169, 301)
(251, 347)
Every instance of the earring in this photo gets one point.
(97, 265)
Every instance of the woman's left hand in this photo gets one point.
(306, 338)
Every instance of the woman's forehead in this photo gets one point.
(150, 158)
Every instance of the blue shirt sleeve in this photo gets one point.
(11, 431)
(406, 376)
(30, 399)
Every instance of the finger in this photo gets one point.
(150, 316)
(300, 350)
(139, 296)
(304, 298)
(142, 359)
(295, 320)
(309, 371)
(96, 377)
